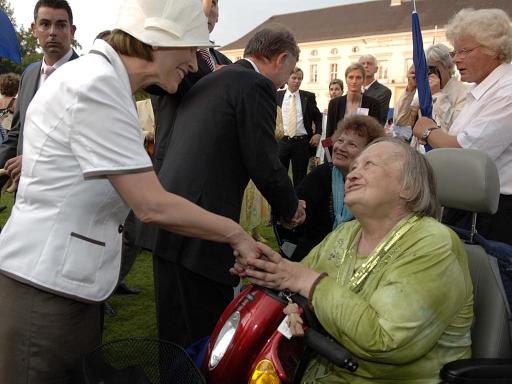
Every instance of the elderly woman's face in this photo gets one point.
(346, 148)
(171, 65)
(374, 182)
(355, 81)
(473, 63)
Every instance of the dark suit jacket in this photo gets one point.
(382, 94)
(336, 111)
(164, 109)
(28, 87)
(310, 112)
(223, 136)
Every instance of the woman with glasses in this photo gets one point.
(448, 93)
(482, 41)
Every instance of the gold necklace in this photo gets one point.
(377, 255)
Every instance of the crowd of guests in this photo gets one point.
(91, 197)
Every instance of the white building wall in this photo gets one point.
(394, 51)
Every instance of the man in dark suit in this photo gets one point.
(373, 88)
(302, 121)
(53, 27)
(136, 234)
(223, 136)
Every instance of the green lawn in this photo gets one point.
(134, 314)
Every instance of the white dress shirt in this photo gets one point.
(485, 122)
(64, 233)
(63, 60)
(301, 130)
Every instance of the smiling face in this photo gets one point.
(373, 186)
(346, 148)
(171, 65)
(54, 33)
(476, 63)
(354, 81)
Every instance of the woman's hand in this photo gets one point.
(295, 322)
(276, 272)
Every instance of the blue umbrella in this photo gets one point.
(9, 46)
(421, 68)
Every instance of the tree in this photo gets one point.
(30, 51)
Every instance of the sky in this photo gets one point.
(237, 17)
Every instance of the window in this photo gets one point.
(313, 73)
(334, 51)
(333, 73)
(383, 69)
(355, 49)
(314, 52)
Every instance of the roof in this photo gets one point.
(370, 18)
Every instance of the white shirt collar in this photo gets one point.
(480, 89)
(288, 93)
(369, 85)
(253, 64)
(64, 59)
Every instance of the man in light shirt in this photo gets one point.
(302, 126)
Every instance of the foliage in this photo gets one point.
(30, 51)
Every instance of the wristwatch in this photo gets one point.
(426, 133)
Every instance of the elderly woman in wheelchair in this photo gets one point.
(392, 286)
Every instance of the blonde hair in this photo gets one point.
(354, 67)
(490, 27)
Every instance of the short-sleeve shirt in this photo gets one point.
(64, 233)
(485, 122)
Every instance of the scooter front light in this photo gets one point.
(224, 339)
(265, 373)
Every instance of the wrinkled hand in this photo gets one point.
(244, 247)
(315, 140)
(295, 322)
(298, 218)
(421, 125)
(276, 272)
(13, 168)
(411, 79)
(435, 83)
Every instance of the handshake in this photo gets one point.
(298, 218)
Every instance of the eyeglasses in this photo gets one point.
(463, 53)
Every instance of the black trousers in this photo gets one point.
(188, 305)
(496, 227)
(298, 151)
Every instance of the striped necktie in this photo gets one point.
(205, 54)
(47, 71)
(292, 117)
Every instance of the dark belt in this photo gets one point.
(295, 138)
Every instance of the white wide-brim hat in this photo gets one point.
(165, 23)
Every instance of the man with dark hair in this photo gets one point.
(223, 136)
(302, 121)
(53, 27)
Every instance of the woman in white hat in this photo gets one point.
(84, 166)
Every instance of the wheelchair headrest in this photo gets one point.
(466, 179)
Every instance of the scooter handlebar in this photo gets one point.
(330, 349)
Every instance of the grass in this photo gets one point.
(135, 315)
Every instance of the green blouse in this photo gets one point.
(403, 313)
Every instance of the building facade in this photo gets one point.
(332, 38)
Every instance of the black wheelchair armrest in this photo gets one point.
(477, 371)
